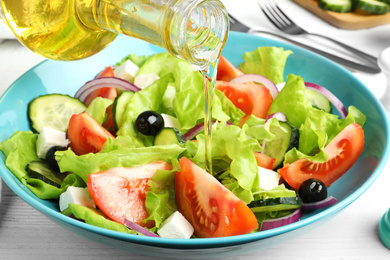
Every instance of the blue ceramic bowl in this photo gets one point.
(67, 77)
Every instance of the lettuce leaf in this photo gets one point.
(149, 98)
(97, 109)
(160, 200)
(292, 101)
(96, 218)
(20, 150)
(188, 101)
(266, 61)
(123, 157)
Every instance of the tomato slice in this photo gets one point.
(121, 192)
(343, 152)
(109, 93)
(226, 71)
(250, 98)
(212, 209)
(265, 161)
(86, 135)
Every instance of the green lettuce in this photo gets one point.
(266, 61)
(20, 149)
(97, 109)
(316, 127)
(96, 218)
(188, 99)
(234, 162)
(123, 157)
(137, 60)
(292, 101)
(160, 200)
(149, 98)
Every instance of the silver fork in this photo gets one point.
(236, 25)
(276, 16)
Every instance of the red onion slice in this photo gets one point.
(278, 115)
(332, 98)
(329, 201)
(130, 224)
(279, 222)
(104, 82)
(258, 79)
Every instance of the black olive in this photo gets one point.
(312, 190)
(51, 158)
(149, 123)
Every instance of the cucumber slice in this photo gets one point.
(41, 170)
(339, 6)
(373, 6)
(318, 100)
(119, 107)
(275, 204)
(54, 111)
(168, 135)
(385, 1)
(286, 137)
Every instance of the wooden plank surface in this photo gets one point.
(351, 21)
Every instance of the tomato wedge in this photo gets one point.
(250, 98)
(264, 161)
(109, 93)
(343, 152)
(86, 135)
(121, 192)
(226, 71)
(212, 209)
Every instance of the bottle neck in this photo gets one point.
(193, 30)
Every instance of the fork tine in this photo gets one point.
(279, 12)
(268, 12)
(278, 17)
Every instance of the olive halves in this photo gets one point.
(149, 123)
(312, 190)
(51, 157)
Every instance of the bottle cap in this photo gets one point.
(384, 229)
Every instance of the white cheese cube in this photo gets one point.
(170, 121)
(49, 137)
(176, 226)
(144, 80)
(269, 179)
(127, 71)
(76, 195)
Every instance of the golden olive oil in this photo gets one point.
(53, 30)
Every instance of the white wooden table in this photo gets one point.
(353, 234)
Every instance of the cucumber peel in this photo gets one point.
(275, 204)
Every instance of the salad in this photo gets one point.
(127, 152)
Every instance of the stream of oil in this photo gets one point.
(209, 80)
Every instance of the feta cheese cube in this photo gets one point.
(170, 121)
(269, 179)
(176, 226)
(76, 195)
(144, 80)
(49, 137)
(127, 71)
